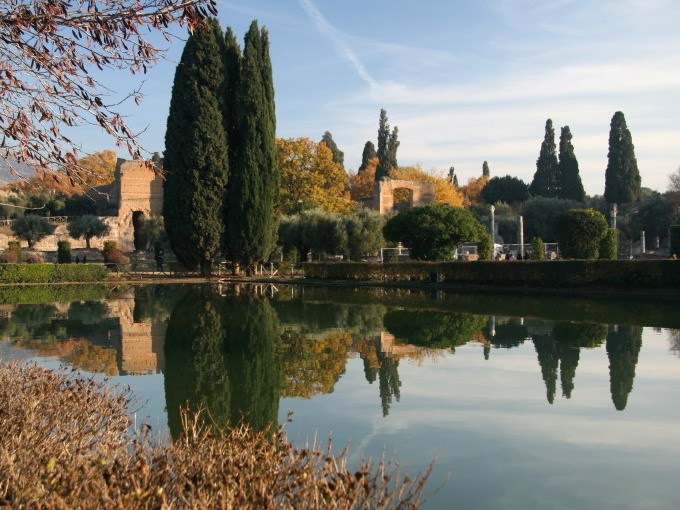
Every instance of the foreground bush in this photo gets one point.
(65, 444)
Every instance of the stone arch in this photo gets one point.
(422, 193)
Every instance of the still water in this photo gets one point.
(523, 402)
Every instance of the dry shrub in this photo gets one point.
(65, 443)
(32, 257)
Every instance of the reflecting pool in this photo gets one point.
(523, 402)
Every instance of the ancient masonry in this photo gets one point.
(136, 193)
(383, 194)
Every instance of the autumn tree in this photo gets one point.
(48, 49)
(546, 178)
(196, 154)
(362, 184)
(87, 227)
(338, 155)
(622, 177)
(368, 154)
(310, 178)
(444, 191)
(472, 190)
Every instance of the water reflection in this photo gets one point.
(238, 353)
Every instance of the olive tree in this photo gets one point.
(32, 228)
(87, 227)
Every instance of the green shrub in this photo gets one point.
(485, 247)
(51, 273)
(675, 241)
(537, 249)
(609, 245)
(63, 252)
(579, 233)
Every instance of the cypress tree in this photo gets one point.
(485, 169)
(392, 146)
(338, 155)
(383, 169)
(232, 66)
(570, 185)
(195, 159)
(622, 177)
(253, 191)
(368, 154)
(546, 181)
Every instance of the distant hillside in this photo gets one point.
(8, 176)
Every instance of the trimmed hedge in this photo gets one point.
(52, 273)
(675, 240)
(534, 273)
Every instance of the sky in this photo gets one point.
(464, 80)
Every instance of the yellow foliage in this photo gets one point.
(444, 191)
(310, 366)
(309, 177)
(362, 184)
(472, 190)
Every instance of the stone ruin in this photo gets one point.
(135, 194)
(383, 194)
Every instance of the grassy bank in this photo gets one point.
(66, 444)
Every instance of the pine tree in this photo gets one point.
(485, 169)
(570, 185)
(546, 180)
(253, 191)
(338, 155)
(383, 169)
(195, 159)
(622, 177)
(368, 154)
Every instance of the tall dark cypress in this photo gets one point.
(195, 158)
(338, 155)
(232, 71)
(622, 177)
(383, 169)
(485, 169)
(253, 190)
(570, 185)
(368, 154)
(546, 181)
(392, 146)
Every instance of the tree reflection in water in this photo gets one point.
(623, 347)
(219, 354)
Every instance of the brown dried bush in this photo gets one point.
(65, 443)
